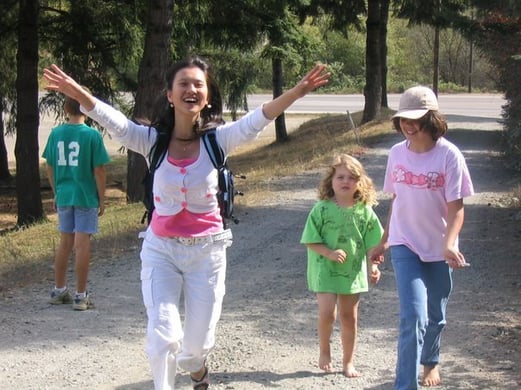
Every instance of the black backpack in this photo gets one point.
(227, 190)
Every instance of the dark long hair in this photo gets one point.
(163, 119)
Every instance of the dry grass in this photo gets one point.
(516, 198)
(26, 255)
(309, 147)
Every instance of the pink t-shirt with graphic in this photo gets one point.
(423, 184)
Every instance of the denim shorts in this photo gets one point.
(73, 219)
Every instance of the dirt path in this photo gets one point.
(267, 336)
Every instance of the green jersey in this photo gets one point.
(73, 151)
(355, 230)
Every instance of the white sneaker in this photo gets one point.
(82, 303)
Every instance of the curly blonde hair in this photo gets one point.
(365, 193)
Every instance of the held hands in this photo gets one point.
(374, 276)
(376, 254)
(375, 257)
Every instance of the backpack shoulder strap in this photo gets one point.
(156, 159)
(214, 149)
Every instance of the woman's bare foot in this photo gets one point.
(350, 371)
(431, 376)
(324, 362)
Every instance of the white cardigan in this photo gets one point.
(194, 187)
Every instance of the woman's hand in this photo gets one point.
(315, 78)
(59, 81)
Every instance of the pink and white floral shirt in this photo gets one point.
(423, 184)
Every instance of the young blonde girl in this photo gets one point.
(341, 227)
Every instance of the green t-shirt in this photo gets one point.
(355, 230)
(73, 151)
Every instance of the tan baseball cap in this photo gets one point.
(416, 102)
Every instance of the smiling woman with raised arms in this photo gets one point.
(184, 251)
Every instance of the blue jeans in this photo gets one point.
(74, 219)
(423, 290)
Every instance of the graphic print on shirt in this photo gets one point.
(351, 224)
(431, 180)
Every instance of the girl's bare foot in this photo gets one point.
(324, 362)
(350, 371)
(431, 376)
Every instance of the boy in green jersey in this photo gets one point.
(76, 158)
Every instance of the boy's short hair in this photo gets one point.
(71, 106)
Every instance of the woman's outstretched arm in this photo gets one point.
(314, 79)
(59, 81)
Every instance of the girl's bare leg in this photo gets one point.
(348, 309)
(431, 376)
(326, 319)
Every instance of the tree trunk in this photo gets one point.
(373, 71)
(384, 17)
(28, 193)
(151, 82)
(436, 60)
(5, 175)
(471, 50)
(281, 133)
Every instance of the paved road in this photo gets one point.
(466, 105)
(477, 105)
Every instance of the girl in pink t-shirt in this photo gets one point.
(428, 178)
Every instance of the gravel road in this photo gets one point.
(267, 335)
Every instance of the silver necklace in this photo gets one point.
(185, 142)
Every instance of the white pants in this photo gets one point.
(170, 269)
